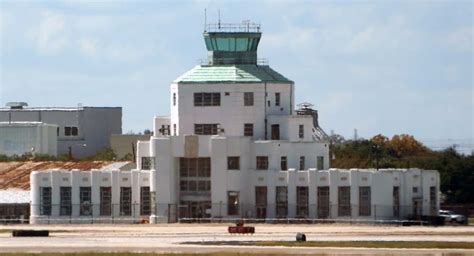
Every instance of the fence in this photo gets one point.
(220, 212)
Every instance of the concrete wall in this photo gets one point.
(231, 114)
(94, 179)
(19, 138)
(95, 125)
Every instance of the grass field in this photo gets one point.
(375, 244)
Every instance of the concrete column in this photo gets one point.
(115, 184)
(163, 179)
(312, 190)
(55, 184)
(95, 192)
(135, 180)
(34, 196)
(75, 185)
(154, 202)
(218, 152)
(291, 193)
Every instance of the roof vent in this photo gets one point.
(17, 105)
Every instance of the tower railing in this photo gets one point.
(233, 27)
(226, 61)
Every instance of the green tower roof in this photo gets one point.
(232, 74)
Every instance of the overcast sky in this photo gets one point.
(385, 67)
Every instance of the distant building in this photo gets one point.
(19, 138)
(83, 130)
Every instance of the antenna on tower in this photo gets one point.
(219, 16)
(205, 19)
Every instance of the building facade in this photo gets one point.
(234, 146)
(81, 130)
(19, 138)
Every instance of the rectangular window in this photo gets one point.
(302, 163)
(145, 201)
(262, 162)
(206, 129)
(195, 167)
(165, 129)
(195, 175)
(174, 99)
(275, 131)
(320, 162)
(85, 201)
(105, 201)
(283, 163)
(147, 163)
(65, 201)
(344, 199)
(301, 131)
(202, 99)
(248, 130)
(323, 202)
(233, 163)
(364, 201)
(281, 202)
(433, 202)
(302, 202)
(174, 130)
(248, 98)
(125, 201)
(45, 201)
(415, 190)
(232, 203)
(277, 99)
(71, 131)
(396, 201)
(261, 202)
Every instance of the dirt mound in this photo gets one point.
(17, 174)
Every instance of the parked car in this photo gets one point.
(452, 217)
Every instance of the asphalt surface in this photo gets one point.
(177, 238)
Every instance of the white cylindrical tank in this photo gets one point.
(34, 196)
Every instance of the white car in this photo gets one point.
(452, 217)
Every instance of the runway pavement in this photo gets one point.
(171, 238)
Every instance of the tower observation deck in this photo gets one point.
(231, 44)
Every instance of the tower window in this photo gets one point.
(174, 99)
(248, 98)
(233, 163)
(301, 131)
(284, 163)
(202, 99)
(262, 162)
(302, 163)
(248, 130)
(277, 99)
(206, 129)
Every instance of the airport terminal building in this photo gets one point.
(234, 146)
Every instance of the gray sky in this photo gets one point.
(385, 67)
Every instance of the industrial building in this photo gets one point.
(19, 138)
(234, 146)
(81, 131)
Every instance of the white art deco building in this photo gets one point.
(234, 146)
